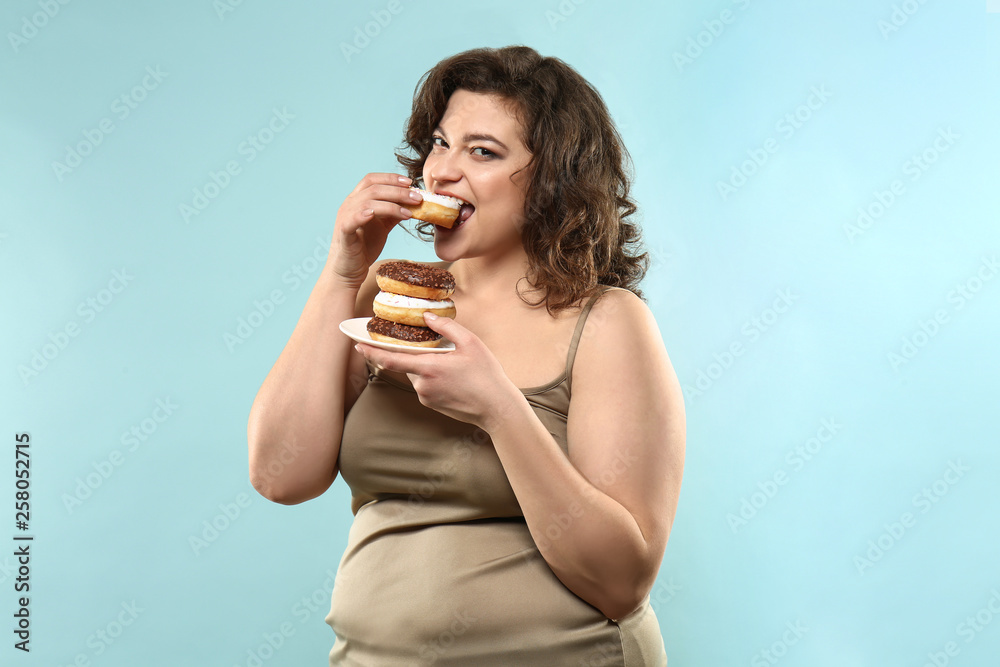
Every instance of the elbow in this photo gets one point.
(619, 604)
(273, 492)
(277, 484)
(285, 493)
(265, 482)
(628, 592)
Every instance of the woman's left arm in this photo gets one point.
(601, 518)
(602, 515)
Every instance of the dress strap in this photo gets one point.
(578, 333)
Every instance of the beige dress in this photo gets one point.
(440, 568)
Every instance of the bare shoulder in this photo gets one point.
(620, 319)
(621, 346)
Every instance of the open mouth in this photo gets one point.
(464, 213)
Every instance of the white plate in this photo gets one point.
(356, 329)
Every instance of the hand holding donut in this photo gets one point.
(467, 384)
(364, 221)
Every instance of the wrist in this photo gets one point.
(333, 280)
(506, 408)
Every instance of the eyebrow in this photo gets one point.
(478, 136)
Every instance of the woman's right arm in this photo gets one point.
(297, 418)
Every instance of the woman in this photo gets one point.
(512, 497)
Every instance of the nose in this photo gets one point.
(443, 167)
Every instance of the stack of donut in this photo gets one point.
(408, 290)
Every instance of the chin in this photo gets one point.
(446, 252)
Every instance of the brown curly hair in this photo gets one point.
(578, 233)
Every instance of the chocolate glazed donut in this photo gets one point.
(402, 334)
(418, 280)
(408, 290)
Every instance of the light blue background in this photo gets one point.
(727, 588)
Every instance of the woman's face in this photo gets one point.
(478, 156)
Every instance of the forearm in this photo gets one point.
(297, 418)
(589, 540)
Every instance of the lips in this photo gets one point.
(465, 212)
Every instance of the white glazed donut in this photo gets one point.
(409, 310)
(440, 210)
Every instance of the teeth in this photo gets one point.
(458, 199)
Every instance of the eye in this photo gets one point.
(483, 152)
(439, 141)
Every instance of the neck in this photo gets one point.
(491, 277)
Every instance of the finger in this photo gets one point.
(403, 196)
(386, 212)
(449, 328)
(376, 178)
(399, 362)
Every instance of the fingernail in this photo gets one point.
(430, 316)
(415, 196)
(358, 348)
(404, 180)
(405, 212)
